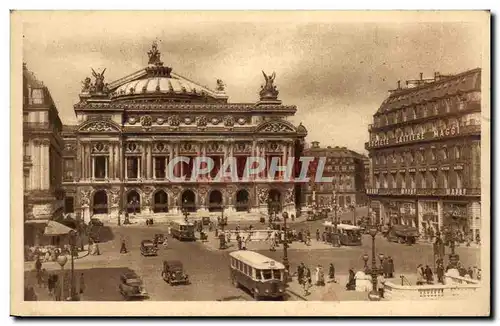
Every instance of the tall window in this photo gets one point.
(394, 181)
(100, 167)
(423, 183)
(69, 166)
(433, 154)
(444, 178)
(160, 166)
(459, 179)
(26, 180)
(132, 167)
(445, 154)
(412, 180)
(433, 181)
(457, 152)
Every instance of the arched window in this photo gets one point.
(457, 152)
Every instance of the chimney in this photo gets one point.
(399, 84)
(315, 144)
(421, 76)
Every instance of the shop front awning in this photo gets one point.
(36, 221)
(54, 228)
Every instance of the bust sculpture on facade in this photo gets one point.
(220, 85)
(87, 83)
(269, 90)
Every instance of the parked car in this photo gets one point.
(173, 272)
(131, 286)
(402, 234)
(148, 248)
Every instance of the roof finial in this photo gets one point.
(154, 55)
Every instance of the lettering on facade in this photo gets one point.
(410, 137)
(42, 210)
(452, 131)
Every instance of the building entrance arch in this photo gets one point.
(100, 202)
(160, 202)
(189, 201)
(242, 200)
(133, 202)
(215, 201)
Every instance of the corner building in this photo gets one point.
(346, 167)
(425, 152)
(129, 130)
(42, 152)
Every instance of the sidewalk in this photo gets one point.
(330, 292)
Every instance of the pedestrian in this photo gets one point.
(331, 273)
(293, 218)
(475, 270)
(321, 276)
(123, 249)
(43, 278)
(82, 284)
(385, 267)
(243, 241)
(308, 277)
(351, 283)
(420, 274)
(440, 273)
(470, 272)
(391, 267)
(238, 240)
(228, 237)
(317, 235)
(381, 285)
(300, 273)
(308, 241)
(50, 283)
(38, 269)
(428, 275)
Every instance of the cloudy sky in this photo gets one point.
(336, 69)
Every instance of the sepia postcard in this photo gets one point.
(252, 163)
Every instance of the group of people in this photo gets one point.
(425, 275)
(53, 283)
(305, 279)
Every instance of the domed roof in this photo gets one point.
(163, 85)
(157, 80)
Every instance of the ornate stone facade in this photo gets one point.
(425, 153)
(122, 158)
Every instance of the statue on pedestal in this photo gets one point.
(269, 90)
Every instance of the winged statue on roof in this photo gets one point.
(269, 90)
(99, 80)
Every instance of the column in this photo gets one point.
(83, 171)
(144, 164)
(119, 160)
(46, 168)
(153, 160)
(88, 161)
(125, 167)
(93, 168)
(148, 160)
(111, 159)
(139, 165)
(106, 167)
(41, 179)
(170, 158)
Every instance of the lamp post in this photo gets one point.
(61, 260)
(381, 258)
(365, 259)
(222, 221)
(453, 257)
(72, 239)
(374, 295)
(335, 236)
(353, 208)
(185, 213)
(285, 248)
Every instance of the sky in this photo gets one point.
(337, 69)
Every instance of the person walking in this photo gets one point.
(300, 273)
(331, 273)
(318, 238)
(428, 274)
(123, 249)
(391, 267)
(420, 274)
(440, 273)
(38, 270)
(82, 284)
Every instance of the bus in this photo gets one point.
(182, 230)
(264, 277)
(349, 235)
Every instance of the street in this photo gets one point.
(208, 270)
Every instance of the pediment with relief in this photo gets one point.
(99, 126)
(276, 126)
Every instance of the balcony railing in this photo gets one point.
(36, 125)
(424, 191)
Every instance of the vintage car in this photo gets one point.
(131, 286)
(159, 239)
(148, 248)
(205, 220)
(173, 272)
(402, 234)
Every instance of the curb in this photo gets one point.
(296, 295)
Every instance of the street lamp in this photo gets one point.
(72, 238)
(185, 213)
(365, 259)
(453, 257)
(373, 295)
(222, 220)
(335, 236)
(285, 248)
(61, 260)
(381, 258)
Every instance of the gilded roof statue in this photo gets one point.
(154, 55)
